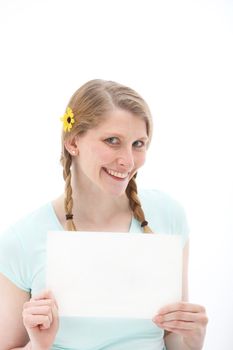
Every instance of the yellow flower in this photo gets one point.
(68, 119)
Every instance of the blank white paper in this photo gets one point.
(105, 274)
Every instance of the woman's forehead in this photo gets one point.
(121, 120)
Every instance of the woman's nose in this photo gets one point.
(126, 159)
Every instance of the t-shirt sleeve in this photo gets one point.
(13, 264)
(165, 214)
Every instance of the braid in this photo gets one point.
(66, 161)
(135, 205)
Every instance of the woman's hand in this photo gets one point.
(40, 318)
(186, 319)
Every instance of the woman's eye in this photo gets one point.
(112, 140)
(115, 141)
(139, 144)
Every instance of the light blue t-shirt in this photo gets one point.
(23, 257)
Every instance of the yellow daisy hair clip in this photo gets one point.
(68, 119)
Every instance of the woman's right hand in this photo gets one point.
(40, 318)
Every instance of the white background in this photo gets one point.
(178, 55)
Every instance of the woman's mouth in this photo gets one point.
(116, 174)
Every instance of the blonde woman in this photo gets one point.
(107, 129)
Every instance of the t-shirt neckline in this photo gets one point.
(132, 227)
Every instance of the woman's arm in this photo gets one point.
(12, 331)
(41, 320)
(23, 319)
(26, 347)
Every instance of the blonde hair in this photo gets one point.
(89, 104)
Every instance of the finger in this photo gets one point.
(42, 302)
(182, 332)
(178, 315)
(44, 326)
(46, 294)
(53, 317)
(55, 301)
(31, 321)
(178, 325)
(39, 310)
(181, 306)
(55, 312)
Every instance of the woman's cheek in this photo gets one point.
(140, 159)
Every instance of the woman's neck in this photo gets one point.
(96, 212)
(96, 206)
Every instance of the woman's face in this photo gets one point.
(110, 154)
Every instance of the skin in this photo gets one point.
(119, 143)
(184, 323)
(116, 144)
(40, 318)
(186, 320)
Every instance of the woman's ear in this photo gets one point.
(71, 145)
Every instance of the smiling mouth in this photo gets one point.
(116, 174)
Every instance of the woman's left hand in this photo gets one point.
(186, 319)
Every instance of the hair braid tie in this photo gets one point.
(144, 223)
(69, 216)
(68, 200)
(135, 205)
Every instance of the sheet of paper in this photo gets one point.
(103, 274)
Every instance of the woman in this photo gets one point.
(107, 131)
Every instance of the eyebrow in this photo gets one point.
(122, 136)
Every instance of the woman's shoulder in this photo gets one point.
(32, 225)
(163, 212)
(22, 246)
(159, 199)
